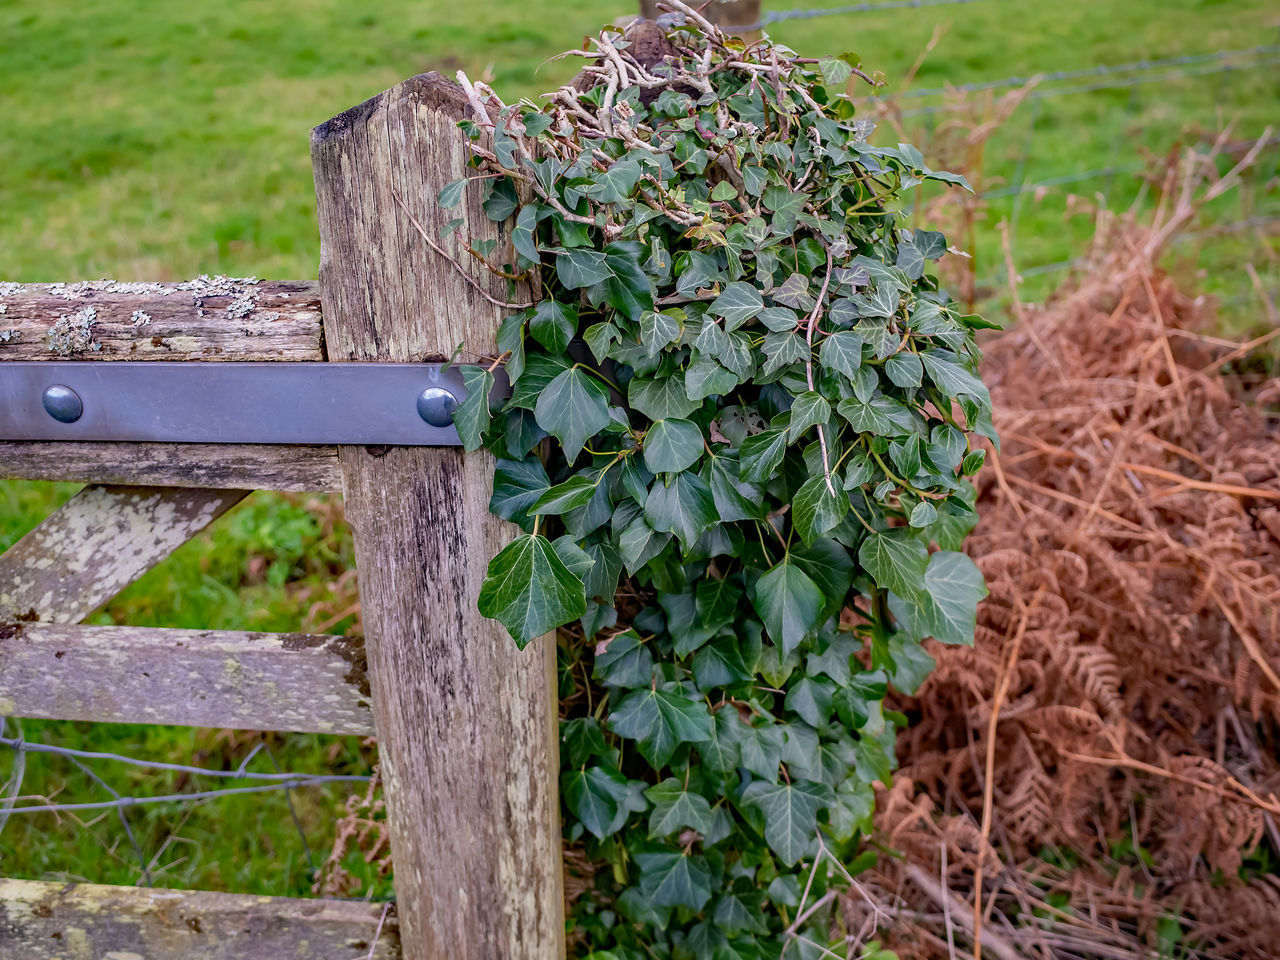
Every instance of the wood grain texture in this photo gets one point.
(86, 921)
(248, 466)
(204, 319)
(466, 722)
(196, 678)
(97, 543)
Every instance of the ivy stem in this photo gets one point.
(925, 494)
(808, 372)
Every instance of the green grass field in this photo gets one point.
(149, 140)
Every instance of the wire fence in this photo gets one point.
(780, 16)
(13, 802)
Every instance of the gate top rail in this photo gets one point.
(208, 318)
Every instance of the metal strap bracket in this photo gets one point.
(397, 404)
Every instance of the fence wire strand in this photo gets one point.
(1102, 70)
(281, 780)
(1134, 81)
(809, 14)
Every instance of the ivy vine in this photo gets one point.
(760, 410)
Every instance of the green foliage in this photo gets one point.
(767, 424)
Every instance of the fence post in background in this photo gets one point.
(467, 725)
(732, 16)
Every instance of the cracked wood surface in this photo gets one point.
(236, 466)
(97, 543)
(42, 920)
(466, 722)
(199, 678)
(205, 319)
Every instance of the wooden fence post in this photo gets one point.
(467, 724)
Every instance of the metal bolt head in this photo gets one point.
(436, 406)
(62, 403)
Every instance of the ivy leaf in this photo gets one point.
(834, 659)
(931, 244)
(911, 662)
(794, 292)
(735, 499)
(761, 749)
(627, 288)
(910, 260)
(451, 195)
(867, 417)
(790, 812)
(835, 71)
(923, 514)
(530, 591)
(807, 410)
(706, 377)
(740, 912)
(595, 796)
(553, 325)
(471, 418)
(952, 377)
(581, 739)
(786, 205)
(739, 302)
(817, 507)
(577, 268)
(517, 484)
(573, 408)
(720, 664)
(829, 566)
(811, 700)
(616, 183)
(948, 609)
(539, 371)
(720, 751)
(675, 808)
(657, 330)
(522, 235)
(781, 349)
(789, 603)
(684, 506)
(563, 497)
(842, 352)
(674, 880)
(905, 370)
(881, 301)
(717, 602)
(600, 337)
(672, 445)
(661, 719)
(858, 701)
(896, 560)
(661, 399)
(761, 454)
(601, 580)
(724, 190)
(639, 543)
(625, 662)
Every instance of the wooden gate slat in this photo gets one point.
(99, 542)
(206, 319)
(40, 920)
(198, 678)
(220, 465)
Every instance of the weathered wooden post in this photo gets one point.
(467, 725)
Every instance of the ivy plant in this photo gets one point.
(741, 418)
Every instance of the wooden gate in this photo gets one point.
(466, 724)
